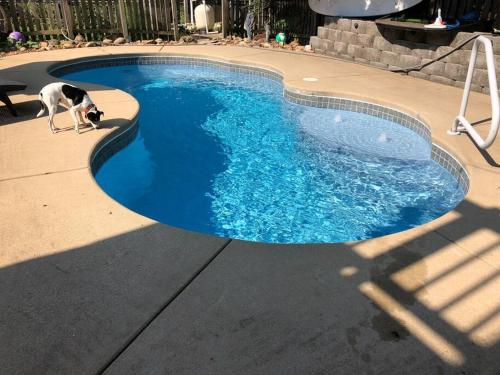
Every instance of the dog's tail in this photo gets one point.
(42, 104)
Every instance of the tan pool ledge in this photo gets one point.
(75, 299)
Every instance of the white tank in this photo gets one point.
(199, 17)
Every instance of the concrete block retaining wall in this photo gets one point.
(365, 42)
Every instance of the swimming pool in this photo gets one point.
(222, 152)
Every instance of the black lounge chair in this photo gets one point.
(6, 86)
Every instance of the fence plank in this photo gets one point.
(123, 19)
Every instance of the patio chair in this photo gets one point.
(6, 86)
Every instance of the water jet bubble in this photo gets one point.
(338, 119)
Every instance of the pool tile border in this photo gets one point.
(110, 146)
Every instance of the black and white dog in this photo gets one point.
(73, 98)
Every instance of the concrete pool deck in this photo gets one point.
(89, 287)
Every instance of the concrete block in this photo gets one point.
(349, 37)
(334, 35)
(372, 54)
(344, 24)
(480, 61)
(455, 72)
(323, 32)
(373, 29)
(326, 45)
(393, 34)
(440, 51)
(480, 77)
(414, 36)
(356, 51)
(438, 38)
(496, 44)
(460, 38)
(358, 26)
(347, 57)
(461, 57)
(418, 74)
(340, 47)
(361, 60)
(365, 40)
(401, 48)
(436, 68)
(382, 44)
(443, 80)
(424, 53)
(319, 51)
(331, 22)
(389, 58)
(406, 61)
(332, 53)
(315, 42)
(378, 64)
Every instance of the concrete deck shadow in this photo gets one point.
(68, 313)
(421, 307)
(256, 308)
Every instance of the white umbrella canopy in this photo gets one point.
(360, 8)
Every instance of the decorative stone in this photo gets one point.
(372, 29)
(356, 51)
(315, 42)
(22, 49)
(389, 58)
(455, 71)
(68, 44)
(436, 68)
(365, 40)
(372, 54)
(349, 37)
(382, 44)
(307, 48)
(407, 61)
(443, 80)
(323, 32)
(107, 42)
(53, 42)
(400, 47)
(120, 40)
(91, 44)
(344, 24)
(159, 41)
(358, 26)
(340, 47)
(79, 38)
(334, 35)
(43, 44)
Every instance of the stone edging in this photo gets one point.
(112, 143)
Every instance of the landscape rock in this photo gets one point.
(53, 42)
(159, 41)
(107, 41)
(91, 44)
(79, 38)
(120, 40)
(68, 44)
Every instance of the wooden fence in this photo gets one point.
(141, 19)
(136, 19)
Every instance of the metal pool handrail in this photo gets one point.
(461, 123)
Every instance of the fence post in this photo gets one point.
(68, 18)
(225, 18)
(123, 19)
(175, 18)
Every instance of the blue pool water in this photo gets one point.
(223, 153)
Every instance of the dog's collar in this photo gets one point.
(89, 108)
